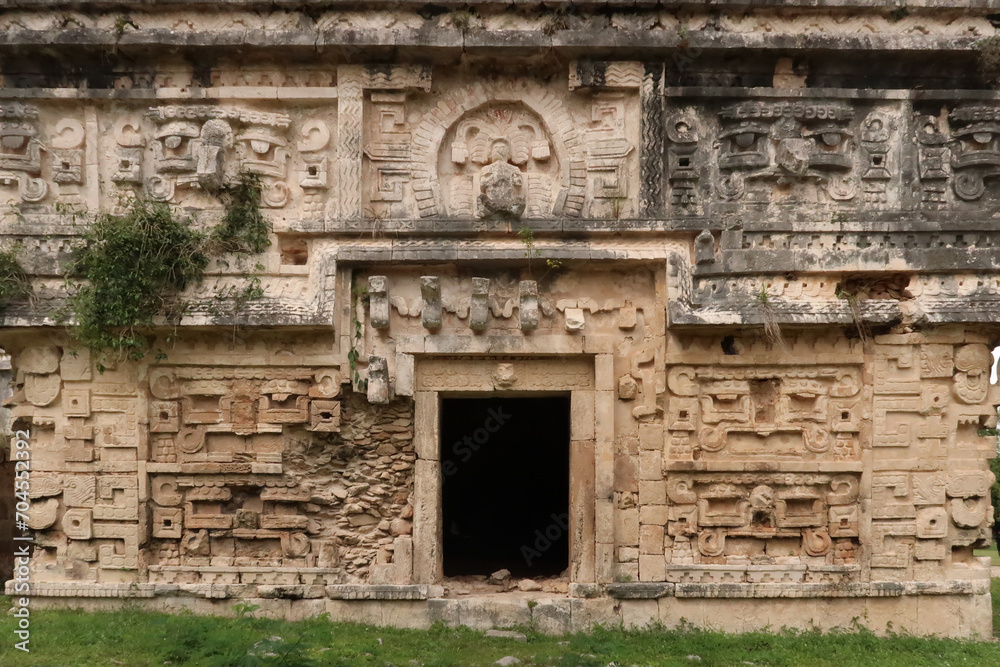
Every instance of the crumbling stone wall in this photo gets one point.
(362, 479)
(229, 463)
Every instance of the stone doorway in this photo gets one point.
(437, 379)
(505, 485)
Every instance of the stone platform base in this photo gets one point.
(945, 615)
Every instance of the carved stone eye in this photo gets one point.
(831, 138)
(172, 141)
(12, 141)
(745, 140)
(982, 137)
(260, 147)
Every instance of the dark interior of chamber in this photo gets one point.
(505, 485)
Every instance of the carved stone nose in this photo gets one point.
(793, 155)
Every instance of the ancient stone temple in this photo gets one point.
(674, 310)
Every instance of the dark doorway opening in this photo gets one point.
(505, 485)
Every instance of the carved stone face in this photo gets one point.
(500, 152)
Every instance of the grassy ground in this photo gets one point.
(136, 639)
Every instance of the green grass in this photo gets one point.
(133, 638)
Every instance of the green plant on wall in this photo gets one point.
(527, 237)
(772, 330)
(850, 295)
(243, 228)
(129, 268)
(124, 272)
(14, 282)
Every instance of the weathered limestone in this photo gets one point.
(769, 288)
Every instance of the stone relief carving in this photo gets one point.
(201, 146)
(806, 511)
(608, 150)
(750, 412)
(957, 154)
(21, 151)
(490, 148)
(975, 154)
(388, 151)
(451, 149)
(784, 143)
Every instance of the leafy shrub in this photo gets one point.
(14, 283)
(129, 268)
(126, 270)
(243, 228)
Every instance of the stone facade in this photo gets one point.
(768, 284)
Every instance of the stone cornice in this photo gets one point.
(638, 31)
(886, 5)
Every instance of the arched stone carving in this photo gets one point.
(536, 122)
(498, 164)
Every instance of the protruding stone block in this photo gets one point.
(378, 380)
(527, 310)
(378, 301)
(430, 292)
(574, 319)
(704, 248)
(479, 309)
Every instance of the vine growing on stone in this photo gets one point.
(243, 228)
(124, 273)
(128, 269)
(14, 282)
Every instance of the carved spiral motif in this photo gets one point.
(732, 187)
(163, 384)
(816, 542)
(973, 358)
(276, 195)
(712, 542)
(681, 490)
(817, 440)
(845, 490)
(968, 512)
(191, 440)
(842, 189)
(34, 189)
(160, 188)
(969, 186)
(712, 439)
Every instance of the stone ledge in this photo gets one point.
(713, 4)
(512, 42)
(877, 589)
(640, 591)
(950, 615)
(383, 592)
(418, 592)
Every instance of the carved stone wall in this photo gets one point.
(768, 283)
